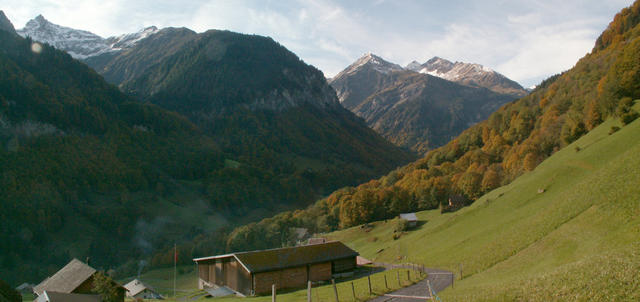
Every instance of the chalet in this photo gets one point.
(74, 278)
(138, 290)
(252, 273)
(410, 218)
(48, 296)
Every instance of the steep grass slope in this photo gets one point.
(577, 241)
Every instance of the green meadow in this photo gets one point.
(567, 231)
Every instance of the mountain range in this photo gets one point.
(421, 107)
(469, 74)
(80, 44)
(224, 129)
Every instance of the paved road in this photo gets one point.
(439, 279)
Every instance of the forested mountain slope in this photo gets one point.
(87, 171)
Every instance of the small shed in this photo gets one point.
(411, 218)
(138, 290)
(251, 273)
(317, 240)
(74, 278)
(49, 296)
(457, 201)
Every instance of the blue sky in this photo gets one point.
(525, 40)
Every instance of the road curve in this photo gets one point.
(439, 279)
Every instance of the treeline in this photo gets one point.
(512, 141)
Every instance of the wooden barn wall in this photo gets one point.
(320, 272)
(235, 276)
(211, 273)
(288, 278)
(344, 265)
(203, 271)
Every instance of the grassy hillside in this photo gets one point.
(579, 240)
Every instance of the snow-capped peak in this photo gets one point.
(376, 62)
(414, 65)
(129, 40)
(80, 44)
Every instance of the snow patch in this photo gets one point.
(80, 44)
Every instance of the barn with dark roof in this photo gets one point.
(250, 273)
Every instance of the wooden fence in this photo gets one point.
(394, 277)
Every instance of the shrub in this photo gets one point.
(614, 129)
(9, 294)
(105, 287)
(401, 226)
(629, 117)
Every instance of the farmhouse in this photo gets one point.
(410, 218)
(138, 290)
(251, 273)
(74, 278)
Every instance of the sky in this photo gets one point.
(526, 41)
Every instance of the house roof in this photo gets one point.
(317, 240)
(281, 258)
(67, 279)
(24, 286)
(136, 286)
(49, 296)
(409, 216)
(300, 232)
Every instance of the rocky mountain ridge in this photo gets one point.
(80, 44)
(414, 110)
(469, 74)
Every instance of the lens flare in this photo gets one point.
(36, 47)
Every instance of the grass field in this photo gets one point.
(578, 240)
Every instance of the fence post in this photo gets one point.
(408, 276)
(452, 280)
(335, 289)
(353, 291)
(273, 293)
(385, 282)
(398, 275)
(430, 291)
(369, 279)
(309, 291)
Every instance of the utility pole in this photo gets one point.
(175, 270)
